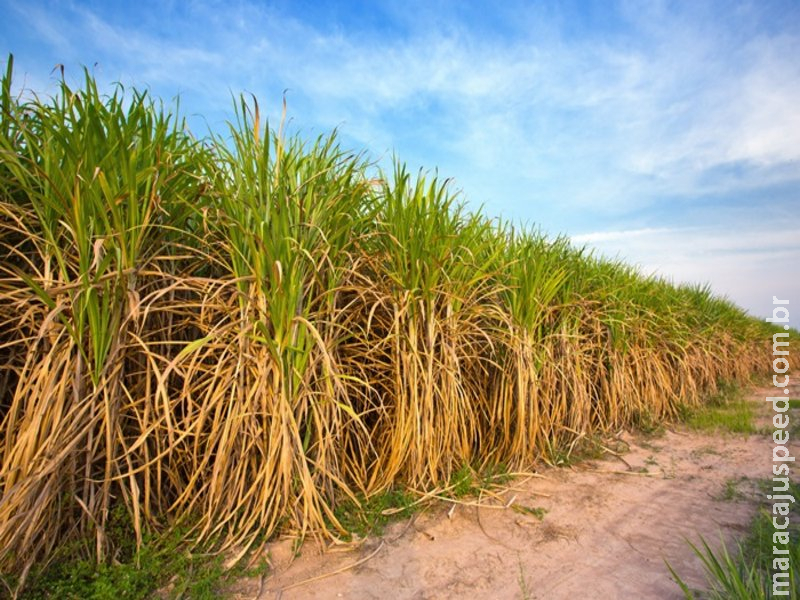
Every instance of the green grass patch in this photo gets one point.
(469, 481)
(155, 567)
(728, 410)
(369, 516)
(163, 564)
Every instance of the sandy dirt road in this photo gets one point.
(609, 526)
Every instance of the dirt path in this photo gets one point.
(608, 528)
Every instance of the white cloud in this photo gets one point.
(599, 237)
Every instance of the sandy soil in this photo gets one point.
(609, 527)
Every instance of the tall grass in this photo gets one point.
(236, 334)
(746, 569)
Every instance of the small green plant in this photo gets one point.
(494, 475)
(524, 588)
(733, 577)
(649, 424)
(469, 481)
(731, 491)
(371, 515)
(536, 511)
(586, 448)
(745, 572)
(297, 546)
(736, 576)
(462, 482)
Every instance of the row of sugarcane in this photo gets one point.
(234, 334)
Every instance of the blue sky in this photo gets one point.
(665, 133)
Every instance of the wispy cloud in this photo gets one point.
(667, 103)
(661, 128)
(599, 237)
